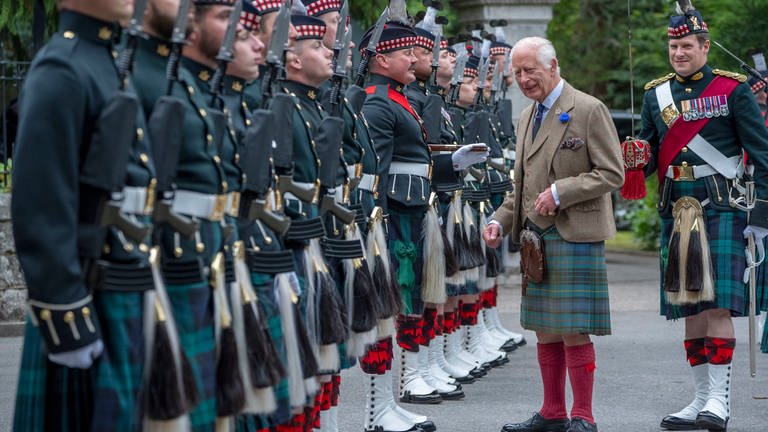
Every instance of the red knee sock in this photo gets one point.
(720, 350)
(696, 351)
(552, 366)
(580, 360)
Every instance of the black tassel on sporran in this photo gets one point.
(365, 313)
(230, 393)
(333, 316)
(259, 348)
(309, 365)
(672, 270)
(383, 289)
(451, 262)
(164, 398)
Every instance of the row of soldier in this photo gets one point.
(224, 220)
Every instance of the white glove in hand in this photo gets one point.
(81, 358)
(758, 232)
(465, 157)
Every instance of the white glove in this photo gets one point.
(467, 155)
(758, 232)
(81, 358)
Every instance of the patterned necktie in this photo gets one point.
(537, 120)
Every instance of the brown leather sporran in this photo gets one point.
(532, 259)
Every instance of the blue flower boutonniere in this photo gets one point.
(564, 117)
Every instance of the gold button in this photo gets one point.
(237, 157)
(209, 138)
(140, 133)
(203, 113)
(144, 248)
(685, 149)
(217, 159)
(153, 182)
(247, 122)
(45, 314)
(144, 158)
(177, 252)
(319, 163)
(69, 317)
(200, 248)
(190, 90)
(106, 249)
(69, 34)
(224, 186)
(309, 126)
(128, 247)
(86, 311)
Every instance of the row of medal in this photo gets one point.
(705, 107)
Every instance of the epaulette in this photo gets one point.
(658, 81)
(733, 75)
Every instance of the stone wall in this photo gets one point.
(13, 292)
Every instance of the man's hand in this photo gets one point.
(81, 358)
(492, 234)
(545, 203)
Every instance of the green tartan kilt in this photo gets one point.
(762, 284)
(103, 397)
(726, 247)
(192, 306)
(573, 298)
(263, 284)
(405, 244)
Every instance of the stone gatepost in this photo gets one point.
(13, 291)
(525, 18)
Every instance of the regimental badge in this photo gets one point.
(312, 95)
(669, 114)
(705, 107)
(695, 22)
(204, 75)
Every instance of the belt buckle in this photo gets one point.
(234, 208)
(219, 207)
(683, 173)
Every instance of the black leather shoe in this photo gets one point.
(427, 426)
(469, 379)
(671, 422)
(578, 424)
(537, 423)
(509, 346)
(431, 398)
(707, 420)
(453, 395)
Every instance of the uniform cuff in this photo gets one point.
(65, 327)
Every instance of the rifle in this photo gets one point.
(328, 143)
(278, 45)
(370, 49)
(341, 54)
(481, 75)
(135, 30)
(166, 126)
(282, 108)
(457, 79)
(505, 75)
(106, 160)
(435, 55)
(255, 163)
(226, 54)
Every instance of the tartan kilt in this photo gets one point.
(405, 244)
(573, 298)
(762, 285)
(103, 397)
(444, 201)
(726, 247)
(192, 306)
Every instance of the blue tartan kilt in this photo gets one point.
(103, 397)
(762, 284)
(192, 306)
(405, 243)
(573, 298)
(726, 248)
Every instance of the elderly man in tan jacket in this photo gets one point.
(568, 161)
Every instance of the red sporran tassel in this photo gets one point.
(634, 185)
(636, 154)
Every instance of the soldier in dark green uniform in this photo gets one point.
(84, 348)
(405, 171)
(697, 121)
(201, 183)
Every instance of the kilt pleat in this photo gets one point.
(192, 306)
(103, 397)
(404, 229)
(573, 298)
(726, 247)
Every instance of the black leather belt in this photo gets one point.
(183, 272)
(360, 217)
(447, 187)
(109, 276)
(305, 229)
(341, 249)
(229, 269)
(270, 262)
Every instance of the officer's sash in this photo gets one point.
(400, 99)
(681, 133)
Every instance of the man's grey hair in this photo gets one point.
(545, 51)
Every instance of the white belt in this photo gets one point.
(499, 161)
(410, 168)
(354, 170)
(509, 154)
(699, 171)
(135, 201)
(367, 182)
(201, 205)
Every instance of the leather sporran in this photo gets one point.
(532, 258)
